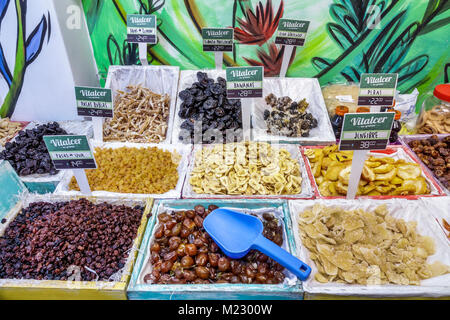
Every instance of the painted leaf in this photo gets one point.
(35, 41)
(4, 69)
(412, 67)
(3, 6)
(321, 63)
(340, 35)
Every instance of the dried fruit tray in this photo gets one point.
(137, 289)
(45, 183)
(11, 289)
(306, 193)
(396, 152)
(159, 79)
(297, 89)
(183, 150)
(406, 139)
(420, 210)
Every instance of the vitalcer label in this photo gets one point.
(377, 89)
(292, 32)
(94, 102)
(366, 131)
(245, 82)
(70, 152)
(141, 28)
(218, 39)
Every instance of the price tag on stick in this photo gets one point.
(96, 103)
(142, 29)
(290, 33)
(218, 40)
(72, 152)
(377, 89)
(362, 132)
(245, 83)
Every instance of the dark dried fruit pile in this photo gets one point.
(435, 154)
(46, 239)
(205, 102)
(288, 118)
(28, 154)
(182, 252)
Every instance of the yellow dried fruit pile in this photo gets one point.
(132, 170)
(363, 247)
(245, 168)
(380, 176)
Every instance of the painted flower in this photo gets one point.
(271, 61)
(260, 27)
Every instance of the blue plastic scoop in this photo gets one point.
(237, 233)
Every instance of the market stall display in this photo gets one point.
(144, 103)
(291, 111)
(372, 248)
(434, 152)
(388, 173)
(133, 169)
(248, 169)
(70, 238)
(197, 268)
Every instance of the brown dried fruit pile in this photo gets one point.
(182, 252)
(46, 239)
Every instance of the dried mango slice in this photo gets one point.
(387, 176)
(368, 174)
(384, 168)
(341, 188)
(396, 180)
(333, 172)
(344, 174)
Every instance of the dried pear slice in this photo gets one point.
(384, 168)
(368, 174)
(373, 164)
(324, 189)
(408, 171)
(387, 176)
(341, 188)
(344, 175)
(368, 188)
(396, 180)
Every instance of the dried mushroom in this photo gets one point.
(288, 118)
(140, 115)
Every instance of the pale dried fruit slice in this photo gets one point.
(341, 188)
(408, 171)
(384, 168)
(344, 175)
(333, 172)
(368, 174)
(387, 176)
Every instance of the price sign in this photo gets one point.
(366, 131)
(94, 102)
(218, 39)
(292, 32)
(377, 89)
(70, 152)
(141, 28)
(244, 82)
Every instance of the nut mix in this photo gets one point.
(47, 240)
(140, 115)
(206, 102)
(288, 118)
(132, 170)
(380, 176)
(436, 156)
(8, 130)
(245, 168)
(366, 247)
(28, 154)
(182, 252)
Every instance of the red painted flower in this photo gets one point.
(271, 61)
(257, 29)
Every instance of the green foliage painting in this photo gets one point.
(347, 37)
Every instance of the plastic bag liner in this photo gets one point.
(417, 210)
(306, 193)
(183, 150)
(297, 89)
(121, 276)
(71, 127)
(405, 140)
(159, 79)
(397, 153)
(139, 289)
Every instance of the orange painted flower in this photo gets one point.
(260, 27)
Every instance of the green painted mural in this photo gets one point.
(347, 37)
